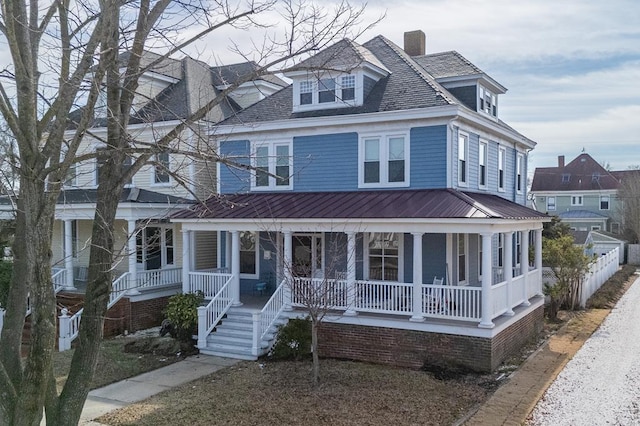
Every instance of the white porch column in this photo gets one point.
(235, 268)
(186, 261)
(351, 274)
(131, 255)
(508, 269)
(487, 302)
(288, 264)
(524, 264)
(68, 254)
(417, 277)
(227, 251)
(539, 260)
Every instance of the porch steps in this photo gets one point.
(233, 337)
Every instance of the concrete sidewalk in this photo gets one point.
(120, 394)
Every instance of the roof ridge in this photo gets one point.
(421, 72)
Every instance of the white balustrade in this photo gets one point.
(209, 283)
(118, 289)
(266, 318)
(517, 291)
(384, 297)
(59, 278)
(319, 292)
(210, 315)
(499, 299)
(454, 302)
(158, 277)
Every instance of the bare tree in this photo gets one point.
(629, 203)
(53, 48)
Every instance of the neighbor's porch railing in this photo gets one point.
(210, 315)
(158, 277)
(70, 325)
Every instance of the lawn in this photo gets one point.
(275, 393)
(114, 364)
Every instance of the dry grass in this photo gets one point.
(280, 393)
(114, 364)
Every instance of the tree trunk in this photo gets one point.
(314, 352)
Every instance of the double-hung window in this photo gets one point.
(551, 203)
(462, 258)
(306, 92)
(273, 165)
(482, 162)
(576, 200)
(161, 168)
(463, 144)
(384, 161)
(604, 202)
(502, 154)
(326, 90)
(384, 256)
(519, 173)
(348, 86)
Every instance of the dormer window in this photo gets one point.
(488, 102)
(328, 92)
(566, 177)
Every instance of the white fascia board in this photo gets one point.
(473, 79)
(126, 211)
(569, 193)
(445, 112)
(435, 226)
(493, 127)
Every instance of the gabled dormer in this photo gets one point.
(468, 83)
(340, 76)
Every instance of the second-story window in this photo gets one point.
(604, 202)
(326, 90)
(519, 172)
(551, 203)
(488, 102)
(348, 85)
(273, 165)
(576, 200)
(384, 161)
(161, 168)
(463, 142)
(501, 168)
(482, 161)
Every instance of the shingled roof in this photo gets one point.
(382, 204)
(583, 173)
(447, 64)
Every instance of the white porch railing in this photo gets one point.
(209, 283)
(158, 277)
(267, 317)
(70, 325)
(384, 297)
(59, 279)
(210, 315)
(327, 292)
(2, 311)
(453, 302)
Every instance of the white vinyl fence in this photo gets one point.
(600, 271)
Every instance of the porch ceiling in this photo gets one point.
(389, 204)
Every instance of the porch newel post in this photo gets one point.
(351, 274)
(417, 277)
(131, 255)
(288, 264)
(508, 269)
(524, 264)
(539, 260)
(68, 254)
(186, 261)
(235, 268)
(487, 303)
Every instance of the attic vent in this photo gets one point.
(566, 177)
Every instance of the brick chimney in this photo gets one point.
(560, 161)
(415, 43)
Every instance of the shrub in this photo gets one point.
(293, 340)
(182, 313)
(6, 270)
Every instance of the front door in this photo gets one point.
(307, 256)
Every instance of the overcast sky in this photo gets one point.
(571, 67)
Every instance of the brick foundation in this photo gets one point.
(134, 316)
(409, 348)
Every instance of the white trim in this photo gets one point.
(465, 239)
(383, 159)
(555, 203)
(608, 202)
(169, 182)
(579, 200)
(272, 159)
(463, 180)
(255, 275)
(485, 143)
(520, 178)
(502, 166)
(315, 79)
(365, 254)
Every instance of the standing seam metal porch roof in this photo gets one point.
(383, 204)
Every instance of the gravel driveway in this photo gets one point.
(601, 384)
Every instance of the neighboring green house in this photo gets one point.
(582, 193)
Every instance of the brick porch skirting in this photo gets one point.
(410, 348)
(134, 316)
